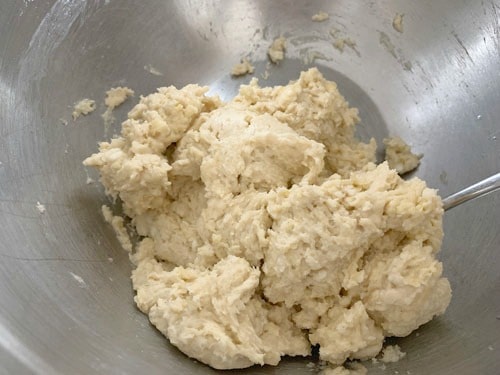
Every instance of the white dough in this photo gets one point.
(116, 96)
(276, 51)
(242, 68)
(399, 156)
(392, 353)
(267, 228)
(83, 107)
(397, 22)
(320, 16)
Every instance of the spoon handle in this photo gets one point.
(478, 189)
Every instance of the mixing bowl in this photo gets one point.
(64, 281)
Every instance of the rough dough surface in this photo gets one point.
(267, 228)
(399, 156)
(276, 51)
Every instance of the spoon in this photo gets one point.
(478, 189)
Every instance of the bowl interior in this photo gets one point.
(64, 281)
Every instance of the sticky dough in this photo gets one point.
(267, 228)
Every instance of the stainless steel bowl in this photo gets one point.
(66, 300)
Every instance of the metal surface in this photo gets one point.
(67, 308)
(479, 189)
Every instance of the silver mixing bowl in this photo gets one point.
(66, 299)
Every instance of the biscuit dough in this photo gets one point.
(320, 16)
(399, 156)
(353, 369)
(83, 108)
(276, 50)
(266, 227)
(115, 97)
(242, 68)
(392, 353)
(397, 22)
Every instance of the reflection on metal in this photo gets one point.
(479, 189)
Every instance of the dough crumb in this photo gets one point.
(341, 41)
(353, 368)
(116, 96)
(320, 16)
(392, 353)
(276, 51)
(40, 207)
(242, 68)
(83, 108)
(63, 121)
(399, 156)
(117, 223)
(397, 22)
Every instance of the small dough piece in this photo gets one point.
(391, 354)
(276, 51)
(399, 156)
(116, 96)
(397, 22)
(83, 108)
(243, 68)
(320, 16)
(353, 368)
(340, 43)
(116, 223)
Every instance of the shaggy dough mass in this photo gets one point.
(267, 228)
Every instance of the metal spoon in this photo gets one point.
(478, 189)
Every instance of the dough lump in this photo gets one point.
(397, 22)
(267, 228)
(320, 16)
(83, 108)
(276, 50)
(399, 156)
(116, 96)
(242, 68)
